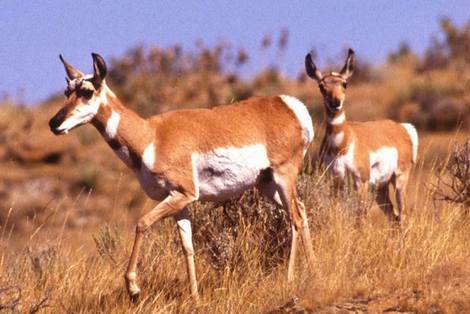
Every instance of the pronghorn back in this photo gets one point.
(382, 148)
(267, 121)
(374, 135)
(230, 146)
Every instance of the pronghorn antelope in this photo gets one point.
(374, 152)
(202, 154)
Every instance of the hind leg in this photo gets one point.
(362, 189)
(273, 190)
(288, 195)
(400, 182)
(269, 188)
(385, 203)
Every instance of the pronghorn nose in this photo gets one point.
(53, 124)
(336, 103)
(56, 121)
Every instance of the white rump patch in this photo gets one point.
(383, 163)
(227, 172)
(303, 117)
(414, 138)
(337, 120)
(112, 124)
(148, 157)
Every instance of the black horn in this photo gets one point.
(71, 71)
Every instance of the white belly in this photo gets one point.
(228, 171)
(383, 164)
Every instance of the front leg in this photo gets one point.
(363, 191)
(184, 228)
(338, 185)
(170, 206)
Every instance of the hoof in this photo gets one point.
(132, 288)
(396, 221)
(134, 297)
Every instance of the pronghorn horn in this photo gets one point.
(72, 72)
(348, 68)
(312, 69)
(99, 68)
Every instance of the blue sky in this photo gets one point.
(35, 32)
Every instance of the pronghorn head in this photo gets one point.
(333, 85)
(85, 94)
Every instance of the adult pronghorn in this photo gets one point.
(377, 152)
(202, 154)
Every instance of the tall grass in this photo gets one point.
(372, 266)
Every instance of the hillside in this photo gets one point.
(68, 206)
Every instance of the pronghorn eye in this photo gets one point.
(345, 85)
(322, 88)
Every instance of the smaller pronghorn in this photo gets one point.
(201, 154)
(374, 152)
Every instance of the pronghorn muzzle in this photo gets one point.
(57, 120)
(334, 105)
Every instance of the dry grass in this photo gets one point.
(374, 267)
(68, 206)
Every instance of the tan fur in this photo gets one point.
(167, 173)
(366, 138)
(370, 136)
(180, 133)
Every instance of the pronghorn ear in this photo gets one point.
(71, 71)
(348, 68)
(311, 68)
(99, 69)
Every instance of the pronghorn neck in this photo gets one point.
(336, 136)
(335, 121)
(124, 130)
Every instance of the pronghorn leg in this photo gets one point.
(184, 228)
(299, 222)
(307, 240)
(168, 207)
(384, 202)
(293, 254)
(273, 190)
(270, 189)
(363, 190)
(338, 186)
(400, 182)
